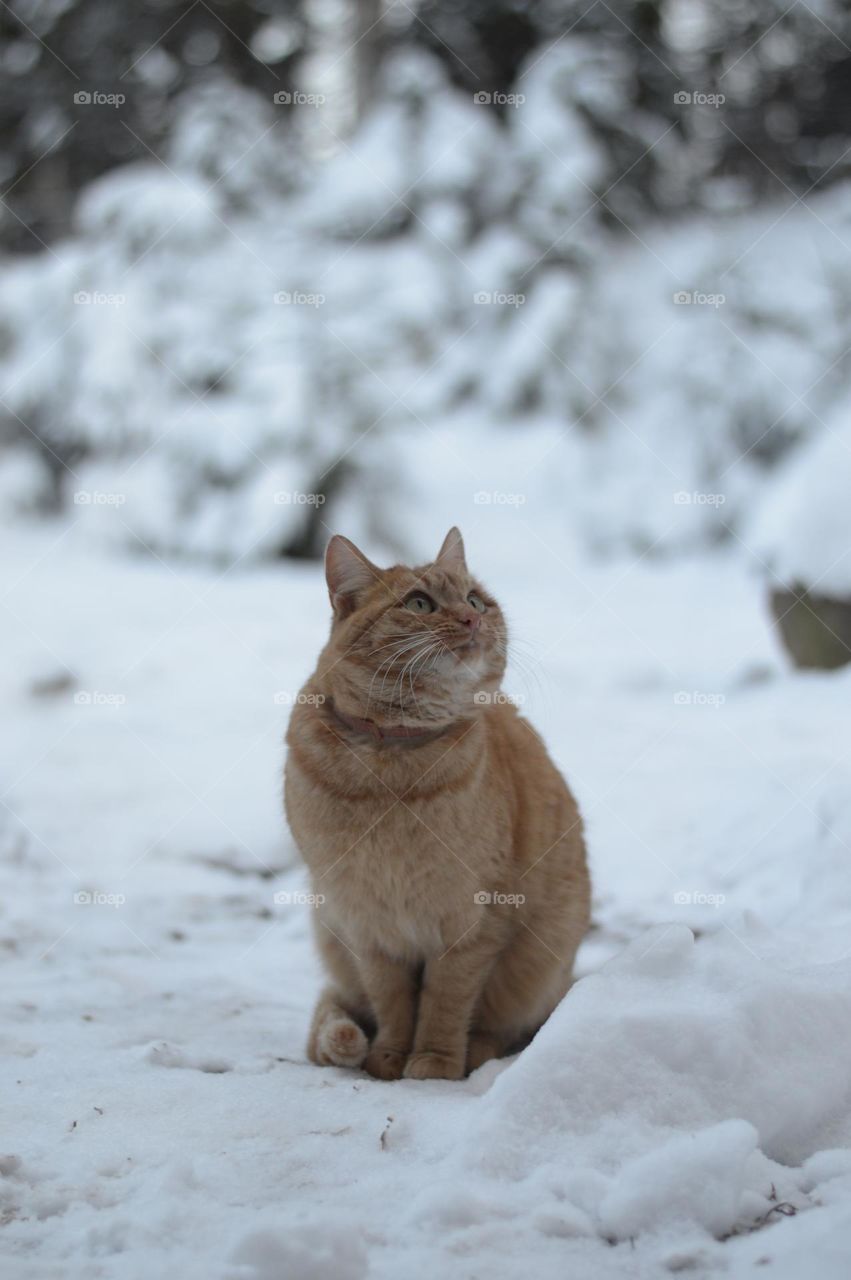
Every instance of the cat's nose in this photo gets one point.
(471, 619)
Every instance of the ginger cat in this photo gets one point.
(444, 847)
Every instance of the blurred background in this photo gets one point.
(275, 268)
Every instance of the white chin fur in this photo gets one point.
(470, 666)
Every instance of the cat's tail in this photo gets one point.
(335, 1038)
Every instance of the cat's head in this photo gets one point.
(420, 645)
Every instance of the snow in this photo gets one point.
(687, 1107)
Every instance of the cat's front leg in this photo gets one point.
(451, 985)
(391, 986)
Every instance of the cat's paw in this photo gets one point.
(434, 1066)
(385, 1064)
(341, 1043)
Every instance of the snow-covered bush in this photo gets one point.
(239, 343)
(802, 539)
(803, 530)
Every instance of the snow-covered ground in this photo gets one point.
(688, 1108)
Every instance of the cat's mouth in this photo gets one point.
(467, 647)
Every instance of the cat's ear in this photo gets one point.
(347, 571)
(451, 554)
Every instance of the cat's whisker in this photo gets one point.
(435, 657)
(388, 663)
(411, 666)
(400, 681)
(399, 639)
(399, 647)
(423, 640)
(528, 664)
(529, 673)
(422, 655)
(425, 658)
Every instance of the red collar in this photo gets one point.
(386, 733)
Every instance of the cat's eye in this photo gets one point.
(419, 603)
(476, 601)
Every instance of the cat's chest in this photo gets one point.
(397, 863)
(400, 886)
(403, 840)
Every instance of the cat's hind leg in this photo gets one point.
(335, 1039)
(524, 986)
(482, 1046)
(342, 1020)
